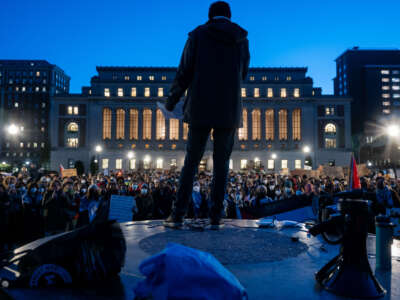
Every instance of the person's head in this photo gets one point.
(219, 9)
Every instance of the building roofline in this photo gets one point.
(136, 68)
(382, 66)
(358, 49)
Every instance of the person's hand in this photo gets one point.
(169, 106)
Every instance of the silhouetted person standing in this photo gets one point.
(214, 62)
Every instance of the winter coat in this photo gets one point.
(214, 62)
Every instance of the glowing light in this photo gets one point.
(274, 156)
(147, 158)
(393, 130)
(306, 149)
(98, 148)
(13, 129)
(131, 155)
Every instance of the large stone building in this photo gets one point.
(287, 123)
(26, 87)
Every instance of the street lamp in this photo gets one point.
(274, 156)
(306, 149)
(131, 155)
(393, 130)
(98, 148)
(13, 129)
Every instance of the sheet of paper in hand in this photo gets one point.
(177, 113)
(121, 208)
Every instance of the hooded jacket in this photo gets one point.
(214, 62)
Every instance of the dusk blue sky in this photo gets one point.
(80, 35)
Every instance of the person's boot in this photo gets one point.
(216, 223)
(173, 222)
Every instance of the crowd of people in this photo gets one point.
(37, 205)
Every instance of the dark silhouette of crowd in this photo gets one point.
(36, 205)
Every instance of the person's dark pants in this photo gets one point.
(197, 140)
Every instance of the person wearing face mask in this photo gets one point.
(196, 199)
(32, 219)
(144, 203)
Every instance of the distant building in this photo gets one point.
(26, 87)
(372, 79)
(287, 123)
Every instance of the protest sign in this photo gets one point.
(69, 173)
(121, 208)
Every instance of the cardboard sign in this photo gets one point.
(308, 173)
(363, 170)
(332, 172)
(69, 173)
(121, 208)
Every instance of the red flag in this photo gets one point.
(354, 180)
(61, 170)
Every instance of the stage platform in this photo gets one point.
(266, 261)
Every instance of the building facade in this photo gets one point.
(26, 87)
(287, 123)
(372, 79)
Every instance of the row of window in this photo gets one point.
(159, 163)
(270, 92)
(270, 125)
(138, 77)
(394, 87)
(387, 72)
(387, 96)
(28, 89)
(160, 92)
(147, 115)
(387, 79)
(265, 78)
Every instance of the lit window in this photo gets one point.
(243, 163)
(173, 162)
(395, 87)
(17, 89)
(37, 73)
(296, 93)
(283, 92)
(395, 79)
(270, 93)
(296, 124)
(385, 72)
(151, 77)
(185, 131)
(173, 129)
(386, 103)
(329, 111)
(37, 89)
(132, 164)
(297, 164)
(133, 124)
(127, 77)
(35, 145)
(276, 78)
(159, 163)
(118, 163)
(133, 92)
(385, 96)
(330, 143)
(107, 123)
(163, 77)
(243, 92)
(269, 125)
(160, 92)
(147, 113)
(106, 92)
(284, 164)
(120, 92)
(23, 89)
(256, 92)
(396, 95)
(16, 104)
(288, 78)
(251, 78)
(120, 133)
(72, 127)
(264, 78)
(139, 77)
(271, 164)
(160, 125)
(72, 142)
(386, 111)
(283, 128)
(21, 145)
(104, 163)
(42, 129)
(147, 92)
(43, 104)
(256, 123)
(76, 110)
(242, 132)
(385, 87)
(330, 128)
(43, 89)
(385, 79)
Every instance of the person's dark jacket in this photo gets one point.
(214, 62)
